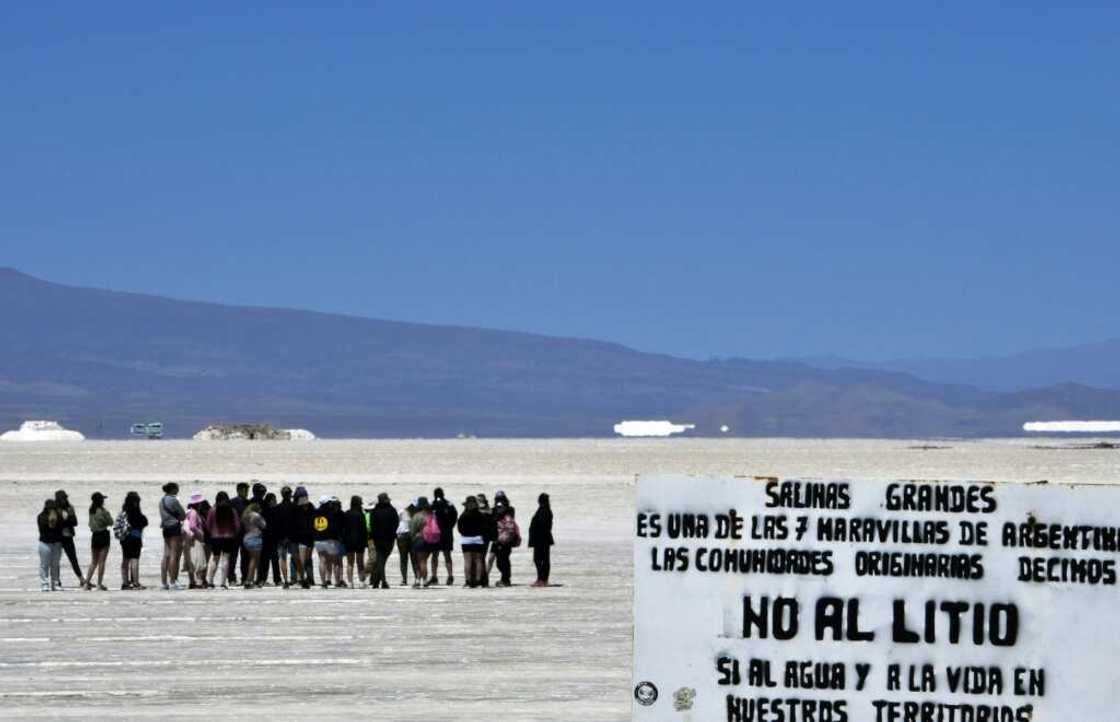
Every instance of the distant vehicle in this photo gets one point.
(150, 430)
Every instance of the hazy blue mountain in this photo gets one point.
(1093, 364)
(99, 360)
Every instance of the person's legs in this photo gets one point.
(503, 553)
(56, 559)
(380, 562)
(102, 557)
(176, 558)
(484, 572)
(351, 560)
(361, 565)
(435, 567)
(216, 563)
(450, 568)
(282, 558)
(403, 551)
(468, 568)
(546, 564)
(44, 566)
(187, 553)
(134, 571)
(124, 567)
(251, 567)
(165, 563)
(244, 558)
(72, 555)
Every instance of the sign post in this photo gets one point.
(766, 600)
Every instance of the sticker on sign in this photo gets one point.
(797, 600)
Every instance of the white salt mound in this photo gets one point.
(650, 428)
(251, 432)
(1072, 427)
(41, 431)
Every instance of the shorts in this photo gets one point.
(253, 543)
(330, 547)
(446, 543)
(420, 545)
(223, 545)
(99, 540)
(353, 546)
(170, 532)
(131, 546)
(476, 548)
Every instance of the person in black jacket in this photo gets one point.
(472, 535)
(541, 541)
(270, 552)
(283, 516)
(133, 541)
(69, 519)
(239, 503)
(383, 522)
(446, 516)
(327, 525)
(355, 536)
(50, 546)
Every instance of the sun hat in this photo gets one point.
(324, 499)
(196, 498)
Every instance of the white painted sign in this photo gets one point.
(759, 600)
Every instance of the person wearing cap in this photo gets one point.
(171, 518)
(421, 548)
(194, 537)
(541, 541)
(383, 524)
(446, 516)
(471, 527)
(404, 541)
(100, 522)
(69, 519)
(327, 523)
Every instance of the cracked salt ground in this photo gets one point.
(400, 654)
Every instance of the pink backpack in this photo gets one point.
(432, 533)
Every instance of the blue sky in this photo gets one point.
(872, 179)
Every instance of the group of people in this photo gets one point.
(291, 535)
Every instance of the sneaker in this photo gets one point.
(363, 585)
(165, 587)
(44, 588)
(286, 585)
(341, 585)
(126, 587)
(451, 581)
(416, 585)
(430, 582)
(384, 584)
(404, 582)
(176, 587)
(101, 588)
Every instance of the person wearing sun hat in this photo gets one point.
(100, 522)
(194, 536)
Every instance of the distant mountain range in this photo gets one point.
(100, 360)
(1095, 364)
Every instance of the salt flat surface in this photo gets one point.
(442, 653)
